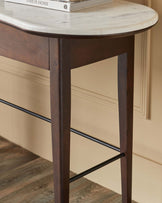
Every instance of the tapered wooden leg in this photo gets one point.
(125, 92)
(60, 115)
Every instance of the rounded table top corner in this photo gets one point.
(114, 18)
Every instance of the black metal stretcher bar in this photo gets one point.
(76, 132)
(97, 167)
(72, 129)
(95, 139)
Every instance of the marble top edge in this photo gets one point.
(118, 17)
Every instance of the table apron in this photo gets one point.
(24, 47)
(35, 49)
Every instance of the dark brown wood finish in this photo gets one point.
(60, 114)
(34, 50)
(73, 53)
(60, 55)
(87, 51)
(24, 47)
(125, 92)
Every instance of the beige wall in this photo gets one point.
(94, 110)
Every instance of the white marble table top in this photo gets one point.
(117, 17)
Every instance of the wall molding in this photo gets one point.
(142, 109)
(25, 71)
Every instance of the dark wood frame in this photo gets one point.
(59, 55)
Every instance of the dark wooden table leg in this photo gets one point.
(60, 115)
(125, 92)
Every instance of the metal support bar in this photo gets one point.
(95, 140)
(72, 129)
(76, 132)
(84, 173)
(25, 110)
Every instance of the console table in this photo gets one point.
(59, 42)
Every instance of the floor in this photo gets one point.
(27, 178)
